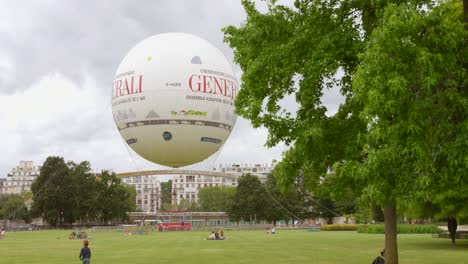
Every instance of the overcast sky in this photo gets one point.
(57, 64)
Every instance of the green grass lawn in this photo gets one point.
(241, 247)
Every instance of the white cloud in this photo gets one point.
(53, 117)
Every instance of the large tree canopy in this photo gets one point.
(412, 84)
(401, 66)
(65, 193)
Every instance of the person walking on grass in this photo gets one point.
(452, 227)
(85, 253)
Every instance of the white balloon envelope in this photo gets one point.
(173, 99)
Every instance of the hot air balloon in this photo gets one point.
(173, 99)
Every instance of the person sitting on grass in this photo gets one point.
(212, 236)
(221, 235)
(217, 235)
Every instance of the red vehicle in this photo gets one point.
(175, 226)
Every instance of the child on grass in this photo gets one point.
(85, 253)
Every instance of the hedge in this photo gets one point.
(401, 229)
(340, 227)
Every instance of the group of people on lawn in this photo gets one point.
(216, 236)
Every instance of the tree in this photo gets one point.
(249, 201)
(404, 99)
(55, 192)
(215, 199)
(328, 202)
(67, 192)
(115, 198)
(413, 89)
(12, 207)
(166, 195)
(186, 205)
(87, 197)
(286, 204)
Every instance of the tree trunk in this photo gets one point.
(465, 12)
(452, 227)
(391, 248)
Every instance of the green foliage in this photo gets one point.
(289, 203)
(66, 193)
(402, 133)
(413, 88)
(216, 199)
(114, 198)
(12, 207)
(166, 192)
(250, 200)
(85, 191)
(401, 229)
(186, 205)
(328, 202)
(55, 193)
(340, 227)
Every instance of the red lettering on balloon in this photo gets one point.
(125, 85)
(218, 86)
(206, 83)
(213, 85)
(191, 83)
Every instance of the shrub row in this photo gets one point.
(401, 229)
(340, 227)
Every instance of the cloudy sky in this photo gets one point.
(57, 64)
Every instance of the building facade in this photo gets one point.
(259, 170)
(186, 187)
(20, 178)
(148, 189)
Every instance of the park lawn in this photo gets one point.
(242, 247)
